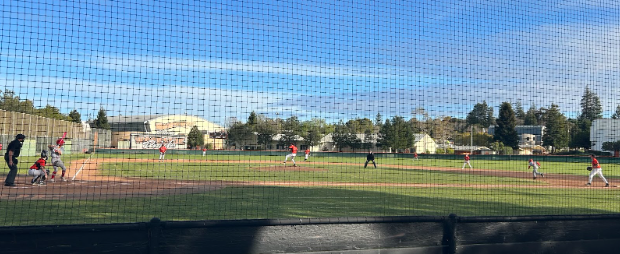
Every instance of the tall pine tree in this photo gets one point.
(101, 121)
(556, 132)
(505, 130)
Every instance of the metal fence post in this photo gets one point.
(449, 234)
(154, 232)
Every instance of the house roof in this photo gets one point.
(133, 119)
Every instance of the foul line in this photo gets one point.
(80, 170)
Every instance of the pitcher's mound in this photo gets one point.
(287, 168)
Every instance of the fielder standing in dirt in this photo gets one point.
(535, 165)
(56, 151)
(596, 169)
(467, 162)
(292, 155)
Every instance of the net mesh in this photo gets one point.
(230, 87)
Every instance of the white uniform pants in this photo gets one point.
(291, 156)
(535, 171)
(595, 171)
(466, 163)
(162, 155)
(307, 156)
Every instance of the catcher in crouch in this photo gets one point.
(56, 151)
(38, 171)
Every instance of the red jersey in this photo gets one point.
(467, 157)
(595, 163)
(307, 151)
(293, 148)
(204, 149)
(39, 164)
(162, 149)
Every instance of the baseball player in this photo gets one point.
(292, 155)
(55, 152)
(307, 152)
(415, 156)
(466, 162)
(204, 151)
(37, 170)
(162, 152)
(596, 169)
(370, 157)
(535, 165)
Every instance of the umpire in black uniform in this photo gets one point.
(12, 152)
(370, 157)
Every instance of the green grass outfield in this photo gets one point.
(273, 202)
(299, 202)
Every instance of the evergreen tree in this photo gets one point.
(519, 113)
(195, 138)
(616, 114)
(101, 121)
(506, 123)
(591, 108)
(556, 132)
(75, 116)
(530, 117)
(481, 115)
(378, 120)
(252, 120)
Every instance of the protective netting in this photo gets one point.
(228, 87)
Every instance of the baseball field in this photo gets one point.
(121, 188)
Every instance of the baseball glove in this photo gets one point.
(589, 168)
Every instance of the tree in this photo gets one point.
(530, 117)
(101, 121)
(481, 115)
(9, 101)
(506, 126)
(75, 116)
(51, 112)
(340, 136)
(556, 132)
(396, 134)
(238, 134)
(291, 130)
(612, 146)
(195, 138)
(616, 114)
(265, 129)
(252, 120)
(519, 112)
(591, 108)
(378, 120)
(368, 139)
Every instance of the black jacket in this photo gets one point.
(370, 157)
(14, 146)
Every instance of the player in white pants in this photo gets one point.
(596, 169)
(467, 162)
(292, 155)
(535, 165)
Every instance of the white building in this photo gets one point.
(604, 130)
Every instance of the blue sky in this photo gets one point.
(327, 59)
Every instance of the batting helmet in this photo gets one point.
(60, 142)
(20, 136)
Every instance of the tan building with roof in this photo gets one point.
(150, 131)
